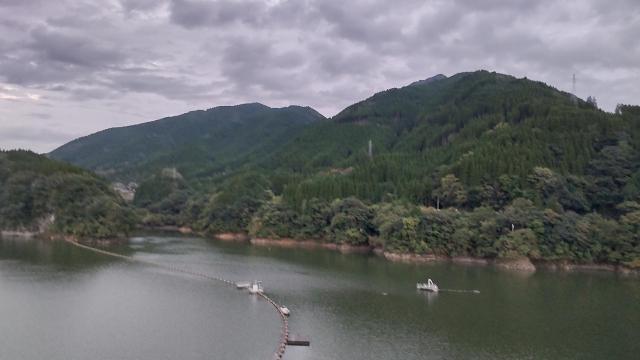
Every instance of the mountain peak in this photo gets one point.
(428, 80)
(208, 141)
(253, 106)
(413, 102)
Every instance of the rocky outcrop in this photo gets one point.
(232, 236)
(40, 227)
(520, 264)
(564, 265)
(126, 192)
(468, 260)
(311, 244)
(411, 258)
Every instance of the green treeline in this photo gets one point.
(42, 195)
(511, 223)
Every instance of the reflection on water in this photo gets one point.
(351, 306)
(53, 253)
(431, 297)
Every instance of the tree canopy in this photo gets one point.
(36, 192)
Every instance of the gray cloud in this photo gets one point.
(365, 24)
(73, 50)
(94, 65)
(24, 134)
(40, 115)
(197, 13)
(174, 87)
(141, 5)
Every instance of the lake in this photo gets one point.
(62, 302)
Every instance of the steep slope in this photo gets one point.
(429, 115)
(42, 195)
(198, 143)
(478, 126)
(479, 164)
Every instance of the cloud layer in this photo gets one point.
(68, 68)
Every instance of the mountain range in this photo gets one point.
(478, 126)
(478, 164)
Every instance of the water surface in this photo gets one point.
(61, 302)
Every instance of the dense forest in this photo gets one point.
(478, 164)
(203, 144)
(46, 196)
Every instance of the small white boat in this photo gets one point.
(285, 310)
(256, 287)
(243, 285)
(428, 286)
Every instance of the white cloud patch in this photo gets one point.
(93, 65)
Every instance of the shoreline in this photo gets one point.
(567, 266)
(29, 235)
(292, 243)
(19, 234)
(519, 265)
(311, 244)
(171, 228)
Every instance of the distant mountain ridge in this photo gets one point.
(198, 142)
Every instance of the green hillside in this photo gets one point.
(517, 167)
(478, 126)
(199, 144)
(477, 164)
(42, 195)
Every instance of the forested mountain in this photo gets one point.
(199, 144)
(477, 126)
(478, 164)
(516, 167)
(42, 195)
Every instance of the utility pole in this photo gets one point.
(370, 150)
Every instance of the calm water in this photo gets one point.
(61, 302)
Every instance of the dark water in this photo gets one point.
(61, 302)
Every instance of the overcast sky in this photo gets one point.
(70, 68)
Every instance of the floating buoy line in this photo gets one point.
(284, 334)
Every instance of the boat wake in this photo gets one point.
(460, 291)
(432, 287)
